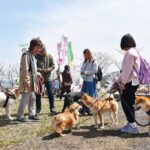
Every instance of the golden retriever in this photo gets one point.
(67, 119)
(143, 103)
(98, 107)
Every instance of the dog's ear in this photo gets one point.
(137, 97)
(85, 95)
(109, 98)
(73, 107)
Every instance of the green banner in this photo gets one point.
(69, 53)
(24, 45)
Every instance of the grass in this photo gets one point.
(13, 133)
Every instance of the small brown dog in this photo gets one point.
(98, 107)
(67, 119)
(143, 103)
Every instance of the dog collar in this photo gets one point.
(10, 94)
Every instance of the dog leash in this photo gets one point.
(94, 104)
(139, 124)
(100, 98)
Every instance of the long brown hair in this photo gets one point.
(88, 51)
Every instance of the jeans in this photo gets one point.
(88, 87)
(95, 90)
(48, 85)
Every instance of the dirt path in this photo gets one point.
(92, 139)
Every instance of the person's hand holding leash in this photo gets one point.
(122, 86)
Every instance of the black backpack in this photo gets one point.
(99, 73)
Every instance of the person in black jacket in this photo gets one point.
(66, 80)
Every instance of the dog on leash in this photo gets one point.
(143, 103)
(7, 99)
(67, 119)
(99, 106)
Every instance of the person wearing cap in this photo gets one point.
(28, 84)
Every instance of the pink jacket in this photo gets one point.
(131, 62)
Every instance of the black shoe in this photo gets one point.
(37, 115)
(22, 120)
(89, 112)
(34, 118)
(82, 111)
(53, 112)
(38, 112)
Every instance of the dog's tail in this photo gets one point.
(57, 120)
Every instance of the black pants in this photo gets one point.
(38, 103)
(128, 100)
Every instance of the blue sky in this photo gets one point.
(95, 24)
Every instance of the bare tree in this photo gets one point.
(12, 74)
(105, 61)
(16, 70)
(2, 74)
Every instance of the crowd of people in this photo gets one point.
(36, 67)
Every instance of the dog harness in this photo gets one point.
(8, 95)
(93, 104)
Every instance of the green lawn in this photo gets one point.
(14, 132)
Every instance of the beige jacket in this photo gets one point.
(26, 81)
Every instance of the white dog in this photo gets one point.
(12, 95)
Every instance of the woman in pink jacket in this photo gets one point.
(128, 81)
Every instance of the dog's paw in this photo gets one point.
(102, 127)
(116, 123)
(62, 135)
(113, 123)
